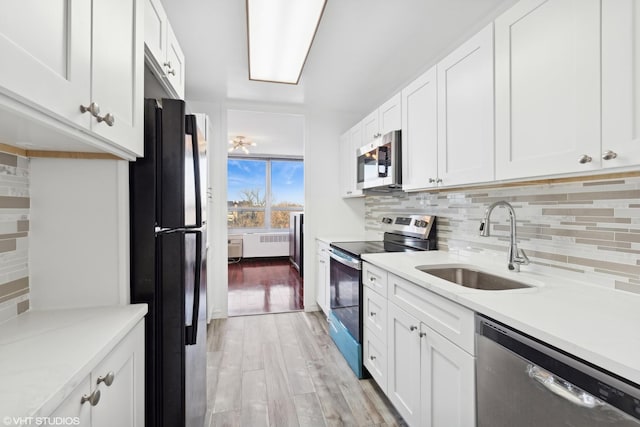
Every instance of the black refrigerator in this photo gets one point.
(168, 262)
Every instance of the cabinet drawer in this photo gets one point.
(374, 278)
(375, 313)
(446, 317)
(375, 358)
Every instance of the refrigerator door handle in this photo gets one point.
(192, 330)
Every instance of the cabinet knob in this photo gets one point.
(608, 155)
(431, 180)
(585, 158)
(422, 334)
(93, 109)
(172, 72)
(372, 358)
(107, 379)
(413, 328)
(93, 398)
(372, 279)
(167, 64)
(108, 118)
(438, 180)
(373, 313)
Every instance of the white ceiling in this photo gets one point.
(364, 50)
(275, 134)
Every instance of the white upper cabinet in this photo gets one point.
(465, 112)
(350, 141)
(548, 88)
(117, 72)
(620, 83)
(386, 118)
(420, 132)
(162, 50)
(46, 55)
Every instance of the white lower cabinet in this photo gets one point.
(113, 393)
(447, 379)
(403, 383)
(423, 358)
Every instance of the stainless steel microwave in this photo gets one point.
(379, 163)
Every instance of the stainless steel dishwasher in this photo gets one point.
(521, 382)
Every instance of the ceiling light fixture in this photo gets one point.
(280, 33)
(240, 143)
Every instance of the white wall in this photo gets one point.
(325, 212)
(79, 236)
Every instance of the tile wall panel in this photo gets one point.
(591, 228)
(14, 235)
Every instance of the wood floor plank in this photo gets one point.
(335, 409)
(306, 340)
(252, 357)
(215, 334)
(316, 322)
(364, 411)
(282, 413)
(255, 414)
(226, 419)
(213, 369)
(228, 392)
(275, 372)
(309, 410)
(383, 405)
(297, 373)
(254, 388)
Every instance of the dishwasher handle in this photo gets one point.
(563, 388)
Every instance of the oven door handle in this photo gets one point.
(349, 262)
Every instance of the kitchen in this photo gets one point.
(575, 202)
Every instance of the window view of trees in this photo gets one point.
(263, 192)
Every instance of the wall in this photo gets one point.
(14, 235)
(79, 238)
(587, 230)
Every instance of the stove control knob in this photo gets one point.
(386, 220)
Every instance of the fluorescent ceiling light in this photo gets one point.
(280, 34)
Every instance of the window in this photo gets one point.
(263, 192)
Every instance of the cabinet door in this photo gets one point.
(122, 399)
(374, 356)
(375, 313)
(403, 381)
(620, 82)
(117, 71)
(155, 30)
(175, 63)
(548, 88)
(420, 132)
(390, 115)
(447, 384)
(73, 406)
(370, 128)
(46, 55)
(345, 173)
(465, 112)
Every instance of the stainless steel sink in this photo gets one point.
(472, 278)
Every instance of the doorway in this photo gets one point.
(265, 196)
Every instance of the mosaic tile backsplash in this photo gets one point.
(14, 232)
(591, 228)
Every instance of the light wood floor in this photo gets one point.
(283, 370)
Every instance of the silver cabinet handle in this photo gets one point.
(93, 109)
(93, 398)
(413, 328)
(107, 379)
(438, 180)
(423, 334)
(584, 159)
(108, 118)
(373, 313)
(172, 72)
(608, 155)
(562, 388)
(372, 358)
(167, 64)
(372, 279)
(432, 180)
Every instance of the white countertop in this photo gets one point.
(45, 354)
(597, 324)
(343, 238)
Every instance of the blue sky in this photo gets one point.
(287, 179)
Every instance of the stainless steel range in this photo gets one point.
(402, 234)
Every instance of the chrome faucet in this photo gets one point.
(517, 257)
